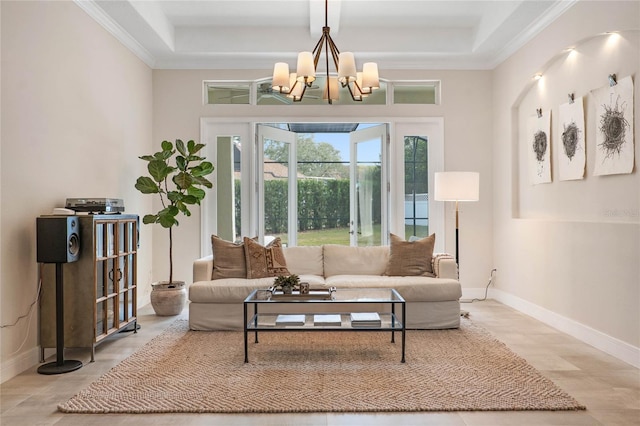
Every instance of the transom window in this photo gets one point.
(260, 93)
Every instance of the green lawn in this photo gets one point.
(341, 236)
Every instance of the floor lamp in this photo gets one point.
(457, 186)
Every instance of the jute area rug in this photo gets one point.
(183, 371)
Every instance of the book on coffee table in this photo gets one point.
(327, 319)
(365, 319)
(290, 319)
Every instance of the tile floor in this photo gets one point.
(608, 387)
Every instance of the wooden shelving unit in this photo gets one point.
(100, 289)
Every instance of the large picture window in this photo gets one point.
(314, 183)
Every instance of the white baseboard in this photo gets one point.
(16, 365)
(615, 347)
(472, 293)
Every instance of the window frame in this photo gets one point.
(431, 127)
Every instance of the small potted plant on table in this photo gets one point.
(287, 283)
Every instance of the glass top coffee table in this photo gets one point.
(325, 310)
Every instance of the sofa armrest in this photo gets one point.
(203, 269)
(445, 266)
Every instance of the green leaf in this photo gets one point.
(167, 221)
(199, 180)
(163, 155)
(182, 207)
(166, 146)
(196, 192)
(149, 219)
(147, 157)
(183, 180)
(158, 169)
(146, 185)
(180, 147)
(202, 169)
(194, 147)
(195, 158)
(167, 217)
(175, 196)
(181, 162)
(190, 199)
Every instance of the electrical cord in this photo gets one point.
(29, 311)
(486, 290)
(28, 314)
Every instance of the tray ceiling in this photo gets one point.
(253, 34)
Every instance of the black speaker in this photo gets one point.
(58, 239)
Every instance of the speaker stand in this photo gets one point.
(61, 365)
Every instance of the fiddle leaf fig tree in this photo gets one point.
(186, 170)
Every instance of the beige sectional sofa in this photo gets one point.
(432, 302)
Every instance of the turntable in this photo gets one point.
(96, 205)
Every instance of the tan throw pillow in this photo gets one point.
(411, 258)
(228, 259)
(263, 262)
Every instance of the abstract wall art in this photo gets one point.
(614, 144)
(540, 147)
(572, 155)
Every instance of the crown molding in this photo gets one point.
(532, 30)
(93, 10)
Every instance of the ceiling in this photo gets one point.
(254, 34)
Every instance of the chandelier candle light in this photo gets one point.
(294, 85)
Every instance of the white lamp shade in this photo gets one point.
(346, 67)
(305, 68)
(331, 87)
(370, 78)
(280, 79)
(296, 88)
(457, 186)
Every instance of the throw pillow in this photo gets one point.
(411, 258)
(228, 259)
(263, 262)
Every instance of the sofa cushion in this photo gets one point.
(228, 259)
(235, 290)
(341, 260)
(228, 290)
(264, 261)
(412, 289)
(304, 260)
(411, 258)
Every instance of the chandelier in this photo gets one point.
(294, 85)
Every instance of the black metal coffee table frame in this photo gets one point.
(360, 298)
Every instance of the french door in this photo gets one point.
(368, 190)
(278, 210)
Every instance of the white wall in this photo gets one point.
(561, 254)
(76, 114)
(465, 107)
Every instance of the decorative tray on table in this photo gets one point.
(319, 293)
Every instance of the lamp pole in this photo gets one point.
(457, 250)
